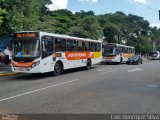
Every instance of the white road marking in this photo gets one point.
(152, 86)
(26, 93)
(136, 69)
(108, 71)
(104, 69)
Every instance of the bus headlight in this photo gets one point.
(35, 64)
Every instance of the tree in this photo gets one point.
(110, 31)
(132, 30)
(83, 14)
(62, 20)
(113, 28)
(143, 45)
(22, 15)
(2, 11)
(155, 38)
(88, 27)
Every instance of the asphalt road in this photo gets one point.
(103, 89)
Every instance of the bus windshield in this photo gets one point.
(108, 51)
(154, 54)
(26, 48)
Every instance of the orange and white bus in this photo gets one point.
(117, 53)
(40, 52)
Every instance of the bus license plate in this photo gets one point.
(21, 69)
(108, 60)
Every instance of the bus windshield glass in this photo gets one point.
(26, 48)
(154, 54)
(108, 50)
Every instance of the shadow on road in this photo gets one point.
(111, 64)
(40, 76)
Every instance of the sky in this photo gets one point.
(135, 7)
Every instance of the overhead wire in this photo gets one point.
(145, 5)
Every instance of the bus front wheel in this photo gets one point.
(57, 69)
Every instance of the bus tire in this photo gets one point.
(88, 64)
(57, 69)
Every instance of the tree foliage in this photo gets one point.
(22, 14)
(32, 15)
(2, 11)
(88, 27)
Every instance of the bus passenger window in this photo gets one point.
(83, 46)
(71, 45)
(86, 46)
(79, 46)
(117, 51)
(68, 45)
(60, 44)
(93, 47)
(98, 47)
(47, 46)
(120, 49)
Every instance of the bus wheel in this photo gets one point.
(88, 65)
(57, 69)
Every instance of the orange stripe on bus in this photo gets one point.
(78, 55)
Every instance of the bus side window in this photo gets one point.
(68, 45)
(47, 46)
(93, 47)
(98, 47)
(134, 51)
(117, 51)
(71, 45)
(60, 44)
(120, 49)
(83, 46)
(64, 44)
(79, 46)
(86, 46)
(125, 50)
(130, 50)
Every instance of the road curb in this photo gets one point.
(8, 74)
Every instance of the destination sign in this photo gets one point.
(26, 35)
